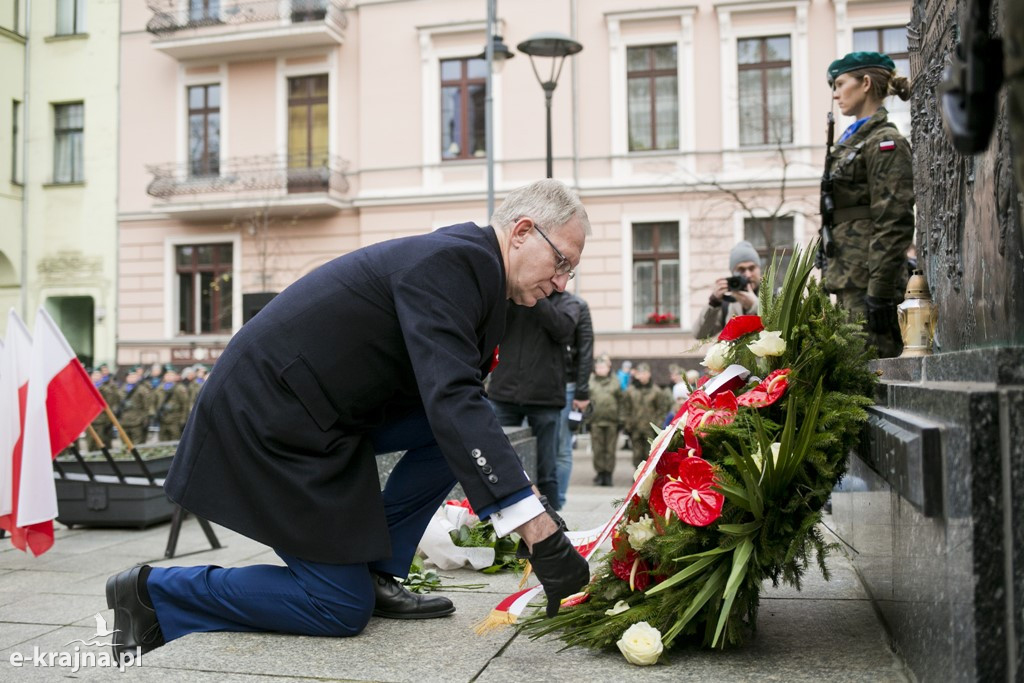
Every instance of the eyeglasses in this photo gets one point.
(562, 266)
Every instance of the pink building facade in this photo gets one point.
(261, 139)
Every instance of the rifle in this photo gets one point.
(827, 206)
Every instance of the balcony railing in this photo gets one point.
(317, 182)
(204, 29)
(171, 16)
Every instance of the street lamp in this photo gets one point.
(557, 47)
(495, 52)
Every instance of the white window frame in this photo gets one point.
(171, 284)
(799, 222)
(729, 34)
(78, 6)
(475, 36)
(618, 91)
(626, 230)
(185, 81)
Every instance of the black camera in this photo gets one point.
(736, 282)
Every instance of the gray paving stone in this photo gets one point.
(442, 650)
(46, 608)
(797, 640)
(11, 634)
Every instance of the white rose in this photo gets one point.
(641, 531)
(620, 607)
(716, 359)
(768, 344)
(645, 489)
(758, 458)
(641, 644)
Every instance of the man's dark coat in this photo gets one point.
(277, 445)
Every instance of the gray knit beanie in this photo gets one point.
(743, 251)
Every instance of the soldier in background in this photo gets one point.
(175, 403)
(134, 412)
(113, 395)
(644, 404)
(873, 189)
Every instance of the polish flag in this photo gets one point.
(61, 402)
(14, 367)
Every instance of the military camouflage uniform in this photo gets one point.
(177, 401)
(606, 399)
(135, 411)
(873, 188)
(643, 405)
(113, 395)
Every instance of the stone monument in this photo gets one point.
(936, 515)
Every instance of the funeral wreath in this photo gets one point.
(732, 492)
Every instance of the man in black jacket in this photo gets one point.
(529, 380)
(383, 349)
(579, 360)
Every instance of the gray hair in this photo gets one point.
(548, 202)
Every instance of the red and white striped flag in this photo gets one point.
(14, 368)
(61, 402)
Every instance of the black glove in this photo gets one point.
(881, 315)
(561, 569)
(523, 551)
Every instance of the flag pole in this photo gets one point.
(120, 430)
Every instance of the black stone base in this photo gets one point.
(936, 517)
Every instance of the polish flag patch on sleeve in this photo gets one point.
(887, 145)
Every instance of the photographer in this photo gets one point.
(734, 295)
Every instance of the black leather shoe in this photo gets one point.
(135, 623)
(395, 601)
(607, 479)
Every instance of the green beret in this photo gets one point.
(859, 60)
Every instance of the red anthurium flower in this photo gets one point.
(739, 326)
(691, 496)
(634, 570)
(656, 501)
(669, 463)
(706, 411)
(768, 391)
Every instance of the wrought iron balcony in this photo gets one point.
(187, 29)
(278, 182)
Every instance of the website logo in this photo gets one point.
(81, 656)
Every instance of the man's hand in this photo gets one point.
(580, 405)
(719, 291)
(746, 297)
(561, 569)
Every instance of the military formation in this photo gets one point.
(151, 404)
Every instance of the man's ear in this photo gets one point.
(520, 230)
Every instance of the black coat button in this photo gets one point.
(493, 479)
(475, 453)
(481, 461)
(486, 469)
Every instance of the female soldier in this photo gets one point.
(873, 192)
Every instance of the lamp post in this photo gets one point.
(495, 51)
(557, 47)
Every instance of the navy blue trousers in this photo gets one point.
(312, 598)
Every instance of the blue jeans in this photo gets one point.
(543, 421)
(313, 598)
(563, 461)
